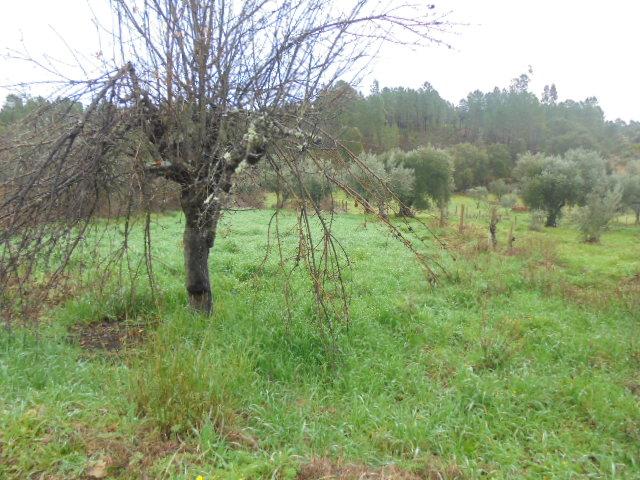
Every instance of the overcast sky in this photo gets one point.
(586, 47)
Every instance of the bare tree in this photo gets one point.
(194, 91)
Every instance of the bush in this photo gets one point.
(601, 207)
(508, 201)
(499, 188)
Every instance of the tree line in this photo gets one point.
(604, 169)
(502, 123)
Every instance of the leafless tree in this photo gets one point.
(192, 91)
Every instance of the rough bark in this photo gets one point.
(199, 234)
(197, 244)
(552, 219)
(405, 211)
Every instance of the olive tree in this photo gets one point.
(499, 188)
(592, 171)
(551, 182)
(433, 170)
(600, 208)
(548, 183)
(631, 194)
(380, 179)
(194, 91)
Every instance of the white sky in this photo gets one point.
(586, 47)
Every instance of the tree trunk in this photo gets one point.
(197, 244)
(637, 217)
(552, 219)
(405, 211)
(443, 217)
(199, 235)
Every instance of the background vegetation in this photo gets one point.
(521, 362)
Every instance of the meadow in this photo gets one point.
(517, 363)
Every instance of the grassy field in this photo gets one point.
(517, 364)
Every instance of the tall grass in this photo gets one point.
(520, 364)
(184, 383)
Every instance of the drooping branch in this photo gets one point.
(195, 92)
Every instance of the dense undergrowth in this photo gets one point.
(517, 364)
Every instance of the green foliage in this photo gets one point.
(592, 170)
(508, 201)
(433, 169)
(314, 182)
(500, 163)
(505, 360)
(17, 108)
(380, 177)
(537, 220)
(499, 188)
(631, 194)
(471, 166)
(304, 180)
(548, 183)
(600, 208)
(502, 122)
(415, 178)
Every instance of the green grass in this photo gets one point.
(521, 365)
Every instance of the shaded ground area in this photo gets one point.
(108, 335)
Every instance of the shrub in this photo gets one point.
(508, 201)
(601, 207)
(499, 188)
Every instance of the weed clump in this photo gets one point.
(181, 385)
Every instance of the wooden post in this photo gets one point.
(461, 226)
(493, 227)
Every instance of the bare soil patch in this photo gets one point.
(325, 469)
(108, 335)
(120, 456)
